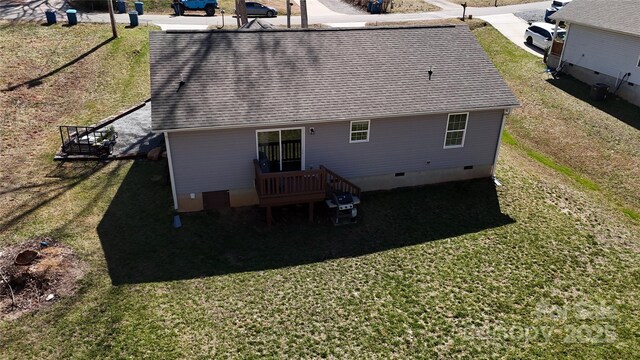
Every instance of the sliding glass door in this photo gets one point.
(281, 149)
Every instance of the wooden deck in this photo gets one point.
(298, 187)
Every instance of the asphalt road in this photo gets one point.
(318, 14)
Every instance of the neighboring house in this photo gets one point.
(381, 107)
(602, 44)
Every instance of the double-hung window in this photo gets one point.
(359, 131)
(456, 129)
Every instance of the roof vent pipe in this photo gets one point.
(181, 82)
(430, 72)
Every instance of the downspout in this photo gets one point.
(495, 158)
(173, 182)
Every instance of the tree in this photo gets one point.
(241, 10)
(113, 19)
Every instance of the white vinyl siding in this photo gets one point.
(213, 160)
(359, 131)
(603, 51)
(456, 130)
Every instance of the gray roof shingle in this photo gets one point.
(615, 15)
(245, 78)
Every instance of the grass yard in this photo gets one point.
(412, 6)
(472, 24)
(59, 76)
(543, 266)
(486, 3)
(164, 7)
(597, 142)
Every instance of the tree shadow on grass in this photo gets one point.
(141, 246)
(38, 80)
(614, 106)
(60, 180)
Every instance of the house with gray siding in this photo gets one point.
(602, 44)
(381, 107)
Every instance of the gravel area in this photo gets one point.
(531, 16)
(342, 7)
(134, 132)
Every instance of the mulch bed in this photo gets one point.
(53, 274)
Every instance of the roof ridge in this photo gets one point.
(371, 28)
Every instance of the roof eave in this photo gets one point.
(289, 123)
(554, 17)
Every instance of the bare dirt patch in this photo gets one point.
(53, 274)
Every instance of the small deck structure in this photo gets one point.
(298, 187)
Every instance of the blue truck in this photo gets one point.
(209, 6)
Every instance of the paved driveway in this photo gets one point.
(513, 28)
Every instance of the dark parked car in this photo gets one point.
(257, 9)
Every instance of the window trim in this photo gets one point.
(464, 132)
(351, 131)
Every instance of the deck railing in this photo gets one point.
(299, 186)
(337, 183)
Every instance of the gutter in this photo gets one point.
(295, 123)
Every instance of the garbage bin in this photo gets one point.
(375, 8)
(599, 91)
(369, 3)
(139, 7)
(122, 7)
(133, 18)
(72, 16)
(51, 16)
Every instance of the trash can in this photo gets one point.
(122, 7)
(369, 3)
(599, 91)
(72, 16)
(139, 7)
(51, 16)
(133, 18)
(375, 8)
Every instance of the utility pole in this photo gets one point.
(288, 14)
(237, 14)
(304, 21)
(113, 19)
(242, 11)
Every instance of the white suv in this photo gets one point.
(539, 34)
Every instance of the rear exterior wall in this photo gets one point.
(215, 160)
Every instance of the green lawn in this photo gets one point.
(600, 142)
(542, 266)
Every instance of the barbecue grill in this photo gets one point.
(343, 207)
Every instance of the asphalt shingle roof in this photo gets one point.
(243, 78)
(615, 15)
